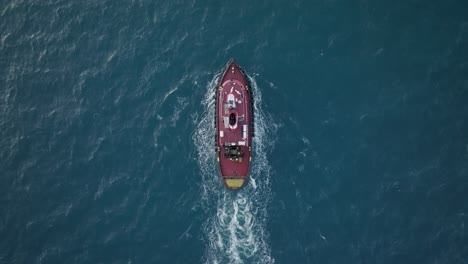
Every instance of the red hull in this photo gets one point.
(234, 122)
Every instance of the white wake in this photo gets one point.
(236, 230)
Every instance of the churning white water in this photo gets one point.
(236, 230)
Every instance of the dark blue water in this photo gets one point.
(106, 132)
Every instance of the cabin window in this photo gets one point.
(232, 119)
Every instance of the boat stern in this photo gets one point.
(235, 183)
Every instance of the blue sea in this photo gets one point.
(107, 132)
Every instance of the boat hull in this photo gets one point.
(234, 126)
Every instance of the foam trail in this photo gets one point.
(236, 232)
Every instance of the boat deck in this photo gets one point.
(234, 124)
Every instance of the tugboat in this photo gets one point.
(234, 126)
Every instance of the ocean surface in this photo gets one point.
(107, 135)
